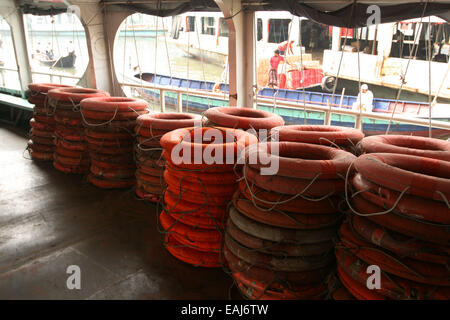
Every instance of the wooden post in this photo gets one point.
(162, 99)
(179, 102)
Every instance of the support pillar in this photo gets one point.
(14, 17)
(240, 52)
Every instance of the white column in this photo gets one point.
(99, 72)
(240, 52)
(336, 39)
(14, 17)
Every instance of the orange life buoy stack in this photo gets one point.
(109, 123)
(200, 183)
(279, 236)
(71, 154)
(41, 145)
(332, 136)
(400, 222)
(415, 146)
(243, 118)
(149, 161)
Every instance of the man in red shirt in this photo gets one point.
(286, 47)
(273, 72)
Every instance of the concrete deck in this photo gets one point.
(50, 220)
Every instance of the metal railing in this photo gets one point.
(326, 110)
(58, 76)
(53, 76)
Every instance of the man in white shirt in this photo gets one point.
(365, 99)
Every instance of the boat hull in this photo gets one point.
(198, 104)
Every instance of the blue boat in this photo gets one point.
(198, 104)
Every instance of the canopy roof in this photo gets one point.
(343, 13)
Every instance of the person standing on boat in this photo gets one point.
(273, 72)
(286, 47)
(70, 48)
(364, 100)
(49, 51)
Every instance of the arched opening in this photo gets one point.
(9, 75)
(188, 52)
(57, 48)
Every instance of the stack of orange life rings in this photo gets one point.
(198, 190)
(109, 123)
(333, 136)
(400, 222)
(41, 145)
(71, 154)
(415, 146)
(243, 118)
(150, 164)
(279, 236)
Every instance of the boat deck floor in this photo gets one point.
(50, 220)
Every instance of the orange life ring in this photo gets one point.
(41, 133)
(217, 178)
(254, 289)
(243, 118)
(96, 134)
(360, 291)
(110, 143)
(41, 125)
(42, 140)
(393, 287)
(106, 116)
(112, 173)
(177, 204)
(38, 155)
(167, 121)
(44, 148)
(37, 88)
(286, 264)
(277, 234)
(415, 146)
(288, 185)
(44, 119)
(201, 197)
(122, 105)
(75, 94)
(415, 270)
(110, 183)
(414, 207)
(401, 245)
(424, 177)
(265, 275)
(283, 219)
(277, 248)
(435, 233)
(60, 150)
(190, 255)
(148, 196)
(151, 171)
(156, 180)
(183, 184)
(150, 188)
(318, 134)
(303, 160)
(69, 168)
(279, 201)
(71, 145)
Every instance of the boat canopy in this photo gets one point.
(341, 13)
